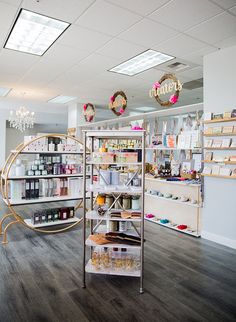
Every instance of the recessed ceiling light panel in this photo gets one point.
(34, 33)
(141, 62)
(62, 99)
(146, 108)
(4, 91)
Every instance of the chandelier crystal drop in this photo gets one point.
(22, 119)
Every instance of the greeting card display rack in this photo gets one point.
(6, 178)
(222, 150)
(96, 220)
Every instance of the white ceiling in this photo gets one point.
(103, 34)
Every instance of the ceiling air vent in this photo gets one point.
(177, 66)
(197, 83)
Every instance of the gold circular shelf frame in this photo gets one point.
(5, 192)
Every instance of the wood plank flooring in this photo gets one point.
(186, 279)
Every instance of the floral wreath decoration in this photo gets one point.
(89, 112)
(174, 97)
(114, 103)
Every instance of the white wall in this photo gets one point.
(2, 138)
(219, 213)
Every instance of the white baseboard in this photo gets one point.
(219, 239)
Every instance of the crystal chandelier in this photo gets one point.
(21, 119)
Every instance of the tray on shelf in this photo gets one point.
(89, 268)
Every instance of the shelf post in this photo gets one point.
(84, 206)
(142, 212)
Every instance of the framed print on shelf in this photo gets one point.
(206, 170)
(215, 169)
(208, 156)
(226, 143)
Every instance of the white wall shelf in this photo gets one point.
(162, 148)
(18, 202)
(46, 152)
(181, 183)
(184, 231)
(76, 175)
(187, 203)
(51, 223)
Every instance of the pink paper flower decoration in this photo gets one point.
(121, 111)
(136, 128)
(173, 99)
(156, 85)
(90, 118)
(112, 99)
(85, 106)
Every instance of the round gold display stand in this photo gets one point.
(16, 218)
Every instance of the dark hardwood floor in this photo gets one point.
(186, 279)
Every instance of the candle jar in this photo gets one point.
(118, 203)
(49, 215)
(122, 226)
(109, 200)
(35, 219)
(126, 202)
(71, 212)
(101, 199)
(135, 203)
(63, 213)
(51, 147)
(55, 214)
(43, 217)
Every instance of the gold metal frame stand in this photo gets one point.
(4, 183)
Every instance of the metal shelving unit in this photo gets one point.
(96, 220)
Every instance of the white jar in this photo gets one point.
(135, 202)
(105, 177)
(51, 147)
(122, 226)
(20, 168)
(60, 147)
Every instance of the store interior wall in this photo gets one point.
(219, 213)
(2, 139)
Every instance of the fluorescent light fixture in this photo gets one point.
(141, 62)
(34, 33)
(62, 99)
(146, 108)
(4, 91)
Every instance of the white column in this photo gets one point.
(76, 117)
(2, 139)
(219, 220)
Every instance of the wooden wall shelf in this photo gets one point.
(211, 148)
(218, 176)
(225, 162)
(232, 119)
(220, 134)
